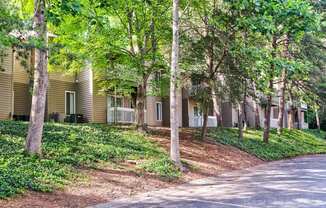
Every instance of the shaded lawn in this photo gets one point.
(67, 148)
(290, 144)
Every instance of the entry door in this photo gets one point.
(70, 103)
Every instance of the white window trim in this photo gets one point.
(160, 113)
(73, 92)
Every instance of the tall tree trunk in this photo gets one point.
(291, 118)
(217, 111)
(256, 109)
(140, 107)
(267, 119)
(210, 65)
(299, 118)
(204, 127)
(241, 112)
(291, 113)
(244, 106)
(257, 116)
(174, 120)
(317, 120)
(35, 128)
(280, 118)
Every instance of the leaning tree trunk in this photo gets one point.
(174, 120)
(267, 119)
(241, 115)
(35, 128)
(140, 107)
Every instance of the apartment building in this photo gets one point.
(78, 94)
(67, 95)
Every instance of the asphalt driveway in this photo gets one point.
(294, 183)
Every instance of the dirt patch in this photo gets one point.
(111, 182)
(208, 158)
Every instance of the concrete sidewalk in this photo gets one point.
(295, 183)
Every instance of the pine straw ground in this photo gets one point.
(204, 159)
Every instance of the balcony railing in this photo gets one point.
(122, 115)
(198, 121)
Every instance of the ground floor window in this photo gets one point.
(305, 116)
(197, 111)
(275, 112)
(70, 102)
(158, 111)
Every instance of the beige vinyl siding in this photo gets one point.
(6, 62)
(56, 96)
(6, 87)
(61, 76)
(5, 96)
(21, 74)
(227, 114)
(151, 111)
(99, 107)
(85, 94)
(22, 99)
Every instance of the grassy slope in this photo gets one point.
(66, 147)
(290, 144)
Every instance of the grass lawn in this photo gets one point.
(66, 148)
(290, 144)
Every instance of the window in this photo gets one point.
(158, 76)
(197, 111)
(305, 116)
(159, 111)
(275, 112)
(70, 102)
(116, 101)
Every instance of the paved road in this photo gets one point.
(295, 183)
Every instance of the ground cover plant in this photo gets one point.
(290, 144)
(66, 148)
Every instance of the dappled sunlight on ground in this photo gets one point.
(296, 183)
(114, 181)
